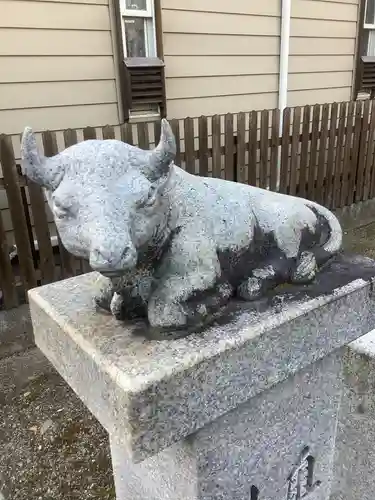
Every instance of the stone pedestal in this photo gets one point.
(248, 409)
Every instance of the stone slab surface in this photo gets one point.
(355, 443)
(254, 447)
(152, 394)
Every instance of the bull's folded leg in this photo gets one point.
(306, 268)
(258, 283)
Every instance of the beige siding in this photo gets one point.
(57, 67)
(322, 50)
(220, 56)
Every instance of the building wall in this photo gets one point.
(220, 56)
(322, 50)
(224, 57)
(57, 66)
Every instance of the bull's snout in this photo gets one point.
(108, 262)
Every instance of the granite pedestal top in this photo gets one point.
(150, 394)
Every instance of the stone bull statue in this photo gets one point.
(176, 247)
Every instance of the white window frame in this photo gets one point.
(148, 16)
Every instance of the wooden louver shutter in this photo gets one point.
(145, 82)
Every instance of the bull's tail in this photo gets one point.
(334, 242)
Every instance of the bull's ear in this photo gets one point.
(37, 167)
(163, 155)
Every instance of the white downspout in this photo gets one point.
(283, 69)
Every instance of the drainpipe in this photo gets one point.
(283, 69)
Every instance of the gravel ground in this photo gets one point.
(52, 448)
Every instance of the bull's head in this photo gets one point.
(109, 199)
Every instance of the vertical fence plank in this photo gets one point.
(328, 191)
(143, 136)
(304, 151)
(285, 143)
(7, 278)
(126, 133)
(11, 183)
(362, 152)
(175, 125)
(46, 257)
(264, 121)
(313, 152)
(89, 133)
(253, 148)
(355, 152)
(274, 149)
(51, 149)
(229, 147)
(189, 145)
(337, 168)
(294, 150)
(203, 146)
(369, 155)
(157, 132)
(322, 154)
(347, 154)
(70, 137)
(108, 132)
(241, 148)
(216, 146)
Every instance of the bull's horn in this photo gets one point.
(164, 153)
(37, 167)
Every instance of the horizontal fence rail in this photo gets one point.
(324, 153)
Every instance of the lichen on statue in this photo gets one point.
(175, 247)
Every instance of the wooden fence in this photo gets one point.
(325, 153)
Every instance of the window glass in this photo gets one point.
(370, 12)
(136, 4)
(135, 37)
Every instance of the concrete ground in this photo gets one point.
(51, 446)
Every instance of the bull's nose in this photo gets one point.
(104, 260)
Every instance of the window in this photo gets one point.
(139, 34)
(369, 29)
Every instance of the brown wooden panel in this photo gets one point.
(143, 137)
(338, 167)
(16, 207)
(189, 145)
(355, 152)
(216, 146)
(274, 174)
(264, 121)
(241, 148)
(7, 278)
(328, 190)
(203, 146)
(322, 154)
(229, 147)
(175, 125)
(311, 195)
(157, 132)
(108, 132)
(294, 150)
(89, 133)
(253, 147)
(304, 151)
(126, 132)
(369, 155)
(70, 137)
(347, 153)
(362, 152)
(38, 207)
(285, 144)
(51, 149)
